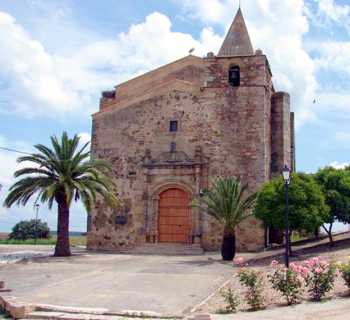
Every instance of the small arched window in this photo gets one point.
(234, 76)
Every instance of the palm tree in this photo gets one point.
(227, 203)
(62, 174)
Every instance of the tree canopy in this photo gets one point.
(31, 229)
(335, 184)
(307, 207)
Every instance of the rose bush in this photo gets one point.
(231, 299)
(319, 278)
(253, 281)
(344, 269)
(289, 282)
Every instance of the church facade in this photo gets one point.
(169, 132)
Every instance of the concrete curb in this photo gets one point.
(15, 308)
(19, 310)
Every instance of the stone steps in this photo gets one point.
(168, 249)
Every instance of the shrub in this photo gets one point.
(231, 299)
(320, 277)
(345, 272)
(24, 230)
(253, 281)
(289, 282)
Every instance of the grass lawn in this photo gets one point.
(74, 241)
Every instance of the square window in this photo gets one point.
(173, 126)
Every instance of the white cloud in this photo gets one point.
(43, 83)
(333, 55)
(85, 137)
(339, 165)
(210, 11)
(30, 71)
(292, 67)
(328, 12)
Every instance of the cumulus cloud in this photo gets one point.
(328, 12)
(333, 55)
(213, 11)
(339, 165)
(292, 66)
(48, 84)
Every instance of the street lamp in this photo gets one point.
(36, 221)
(286, 178)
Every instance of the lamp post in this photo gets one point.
(36, 222)
(286, 178)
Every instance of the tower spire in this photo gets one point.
(237, 41)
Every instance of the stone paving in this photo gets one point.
(164, 284)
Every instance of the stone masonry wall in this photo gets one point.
(281, 153)
(230, 125)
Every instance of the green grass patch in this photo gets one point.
(74, 241)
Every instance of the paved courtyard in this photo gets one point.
(165, 284)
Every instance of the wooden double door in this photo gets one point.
(174, 216)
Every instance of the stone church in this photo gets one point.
(169, 132)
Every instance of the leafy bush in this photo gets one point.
(289, 282)
(335, 184)
(319, 278)
(345, 272)
(231, 299)
(24, 230)
(253, 281)
(307, 208)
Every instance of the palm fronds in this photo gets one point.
(226, 201)
(66, 169)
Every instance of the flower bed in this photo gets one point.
(265, 287)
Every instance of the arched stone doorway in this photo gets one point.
(174, 223)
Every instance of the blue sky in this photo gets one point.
(56, 56)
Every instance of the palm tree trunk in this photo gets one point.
(228, 247)
(62, 248)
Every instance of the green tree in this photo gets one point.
(24, 230)
(307, 207)
(227, 202)
(335, 184)
(62, 174)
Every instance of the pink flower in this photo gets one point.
(238, 261)
(318, 270)
(274, 263)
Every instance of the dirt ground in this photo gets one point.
(339, 252)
